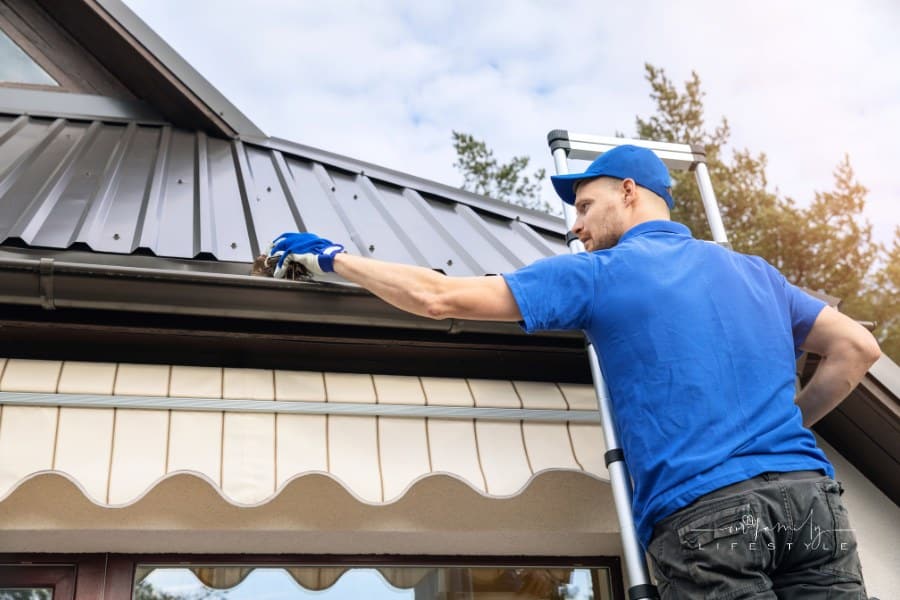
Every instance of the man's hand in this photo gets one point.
(314, 253)
(847, 350)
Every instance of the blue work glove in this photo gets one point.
(309, 250)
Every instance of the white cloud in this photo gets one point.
(387, 81)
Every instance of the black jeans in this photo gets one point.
(777, 535)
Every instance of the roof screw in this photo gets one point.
(268, 188)
(371, 247)
(333, 188)
(115, 236)
(355, 196)
(363, 173)
(87, 173)
(450, 262)
(180, 181)
(233, 245)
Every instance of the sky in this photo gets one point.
(388, 81)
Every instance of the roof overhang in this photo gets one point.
(149, 67)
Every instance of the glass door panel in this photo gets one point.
(246, 582)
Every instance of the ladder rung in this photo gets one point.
(579, 146)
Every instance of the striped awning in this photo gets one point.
(272, 460)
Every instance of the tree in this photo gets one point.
(826, 246)
(834, 251)
(485, 175)
(887, 301)
(883, 301)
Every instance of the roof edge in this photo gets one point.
(219, 107)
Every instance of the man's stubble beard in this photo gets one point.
(613, 228)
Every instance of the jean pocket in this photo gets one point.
(722, 548)
(718, 521)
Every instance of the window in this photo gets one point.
(240, 582)
(37, 582)
(17, 67)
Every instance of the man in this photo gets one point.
(698, 345)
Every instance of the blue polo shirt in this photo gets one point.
(698, 346)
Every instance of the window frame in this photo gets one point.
(111, 576)
(63, 83)
(58, 577)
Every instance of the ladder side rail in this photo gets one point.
(710, 205)
(620, 479)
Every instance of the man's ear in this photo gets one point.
(630, 188)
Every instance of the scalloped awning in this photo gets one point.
(153, 480)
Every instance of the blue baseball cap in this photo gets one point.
(622, 162)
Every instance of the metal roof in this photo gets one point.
(153, 189)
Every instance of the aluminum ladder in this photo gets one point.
(565, 145)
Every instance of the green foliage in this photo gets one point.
(146, 591)
(484, 174)
(882, 302)
(826, 246)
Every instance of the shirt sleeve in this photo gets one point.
(555, 293)
(804, 310)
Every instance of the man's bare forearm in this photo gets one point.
(427, 293)
(834, 379)
(407, 287)
(847, 350)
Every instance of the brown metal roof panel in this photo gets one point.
(310, 188)
(175, 231)
(266, 199)
(224, 209)
(369, 217)
(459, 260)
(72, 191)
(520, 239)
(116, 216)
(485, 253)
(42, 155)
(408, 234)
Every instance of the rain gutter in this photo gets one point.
(52, 284)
